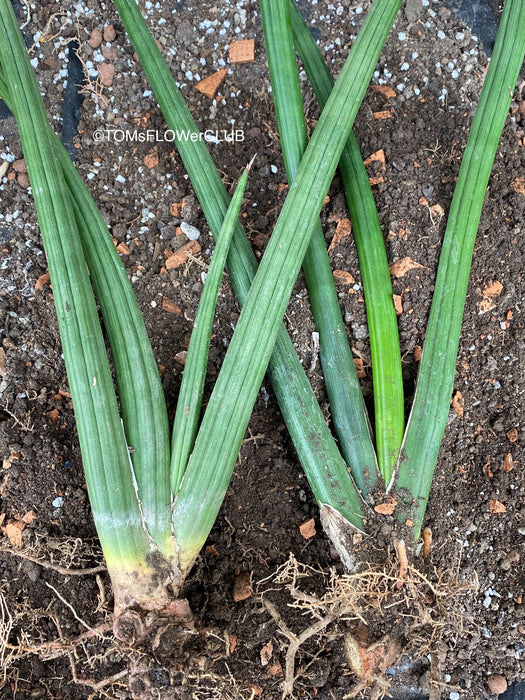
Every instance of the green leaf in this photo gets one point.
(346, 399)
(429, 414)
(123, 536)
(190, 396)
(305, 421)
(253, 340)
(377, 286)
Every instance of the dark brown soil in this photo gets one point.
(459, 620)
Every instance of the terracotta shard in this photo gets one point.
(13, 531)
(360, 367)
(170, 306)
(209, 86)
(151, 159)
(518, 185)
(385, 508)
(458, 404)
(307, 529)
(493, 289)
(343, 277)
(182, 255)
(364, 661)
(490, 292)
(242, 589)
(343, 229)
(266, 653)
(242, 51)
(508, 462)
(401, 267)
(378, 156)
(496, 506)
(398, 304)
(384, 90)
(383, 114)
(42, 281)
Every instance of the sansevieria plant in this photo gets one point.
(154, 504)
(155, 497)
(406, 456)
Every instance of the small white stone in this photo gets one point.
(191, 232)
